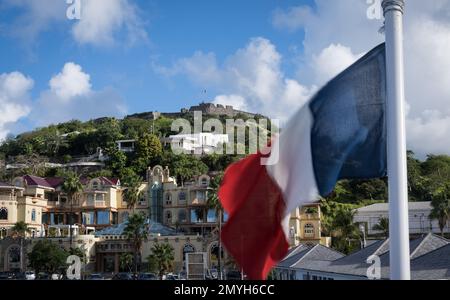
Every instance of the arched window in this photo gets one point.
(33, 215)
(95, 185)
(188, 248)
(3, 233)
(309, 230)
(3, 213)
(182, 216)
(168, 199)
(168, 217)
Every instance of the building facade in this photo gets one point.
(419, 220)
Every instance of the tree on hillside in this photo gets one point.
(72, 187)
(136, 232)
(148, 152)
(117, 160)
(185, 166)
(47, 257)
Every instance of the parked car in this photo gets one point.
(234, 275)
(123, 276)
(6, 276)
(43, 276)
(95, 277)
(147, 276)
(30, 275)
(171, 276)
(57, 277)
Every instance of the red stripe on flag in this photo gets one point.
(253, 234)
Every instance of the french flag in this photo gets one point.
(339, 134)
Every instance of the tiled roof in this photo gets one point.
(36, 181)
(427, 260)
(54, 182)
(384, 207)
(303, 253)
(154, 228)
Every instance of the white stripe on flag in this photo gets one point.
(294, 172)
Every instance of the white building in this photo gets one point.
(419, 221)
(198, 143)
(126, 145)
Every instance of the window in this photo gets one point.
(309, 230)
(211, 216)
(168, 217)
(88, 218)
(103, 218)
(125, 215)
(168, 199)
(3, 233)
(90, 199)
(182, 197)
(3, 213)
(33, 215)
(200, 195)
(204, 181)
(95, 185)
(182, 217)
(188, 248)
(225, 216)
(197, 216)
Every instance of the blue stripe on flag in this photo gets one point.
(348, 137)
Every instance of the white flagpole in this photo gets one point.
(396, 142)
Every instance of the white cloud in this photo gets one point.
(14, 96)
(251, 78)
(427, 63)
(237, 101)
(70, 96)
(71, 82)
(331, 61)
(103, 20)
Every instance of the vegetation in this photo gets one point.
(126, 261)
(47, 257)
(162, 258)
(213, 202)
(136, 232)
(72, 187)
(382, 226)
(20, 230)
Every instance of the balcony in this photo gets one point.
(96, 204)
(7, 198)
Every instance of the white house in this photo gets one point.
(419, 221)
(198, 143)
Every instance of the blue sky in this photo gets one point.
(175, 29)
(266, 56)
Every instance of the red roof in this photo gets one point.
(54, 182)
(36, 181)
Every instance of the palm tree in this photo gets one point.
(72, 187)
(126, 260)
(136, 232)
(344, 230)
(132, 192)
(163, 256)
(382, 226)
(441, 207)
(213, 202)
(20, 230)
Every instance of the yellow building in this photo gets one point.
(305, 226)
(15, 206)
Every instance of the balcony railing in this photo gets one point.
(7, 198)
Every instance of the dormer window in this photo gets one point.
(95, 185)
